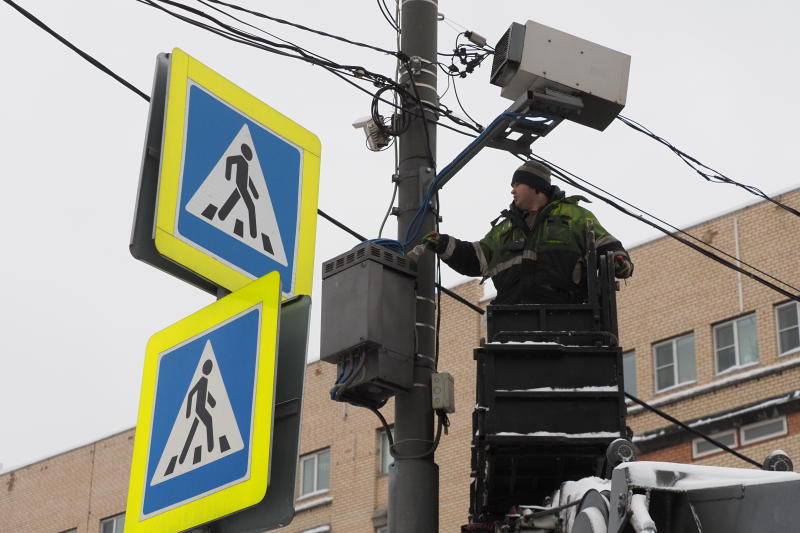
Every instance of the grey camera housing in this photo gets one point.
(538, 58)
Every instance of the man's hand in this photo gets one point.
(623, 267)
(432, 240)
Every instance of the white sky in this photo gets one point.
(717, 78)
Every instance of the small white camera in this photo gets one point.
(377, 138)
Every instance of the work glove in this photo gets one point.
(623, 267)
(435, 241)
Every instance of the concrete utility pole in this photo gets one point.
(414, 477)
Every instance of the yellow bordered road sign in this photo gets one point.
(203, 434)
(238, 183)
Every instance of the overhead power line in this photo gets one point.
(341, 71)
(130, 86)
(671, 226)
(567, 177)
(77, 50)
(564, 175)
(706, 172)
(305, 28)
(387, 14)
(450, 293)
(690, 429)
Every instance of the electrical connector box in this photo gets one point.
(368, 322)
(443, 392)
(537, 58)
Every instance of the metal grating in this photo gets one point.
(368, 251)
(500, 53)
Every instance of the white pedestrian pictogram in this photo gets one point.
(205, 428)
(234, 199)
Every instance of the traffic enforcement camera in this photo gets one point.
(368, 317)
(554, 65)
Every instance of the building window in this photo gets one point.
(315, 473)
(319, 529)
(384, 454)
(383, 529)
(736, 343)
(73, 530)
(764, 430)
(674, 362)
(701, 447)
(113, 524)
(788, 330)
(629, 371)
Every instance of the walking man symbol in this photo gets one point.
(234, 198)
(202, 397)
(243, 191)
(206, 407)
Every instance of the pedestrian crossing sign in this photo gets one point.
(238, 183)
(203, 434)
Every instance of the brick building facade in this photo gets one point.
(709, 346)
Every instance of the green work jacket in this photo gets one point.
(540, 264)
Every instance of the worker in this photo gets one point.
(535, 251)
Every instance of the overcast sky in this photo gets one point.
(717, 78)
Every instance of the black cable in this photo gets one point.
(388, 210)
(558, 173)
(713, 176)
(147, 98)
(305, 28)
(130, 86)
(205, 3)
(339, 225)
(461, 299)
(442, 417)
(241, 37)
(77, 50)
(441, 96)
(387, 15)
(391, 129)
(674, 228)
(136, 90)
(690, 429)
(455, 91)
(444, 111)
(386, 427)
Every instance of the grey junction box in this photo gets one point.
(368, 310)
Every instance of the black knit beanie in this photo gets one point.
(535, 175)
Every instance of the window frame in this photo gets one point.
(674, 342)
(733, 322)
(630, 354)
(784, 432)
(381, 458)
(117, 519)
(302, 459)
(715, 436)
(778, 330)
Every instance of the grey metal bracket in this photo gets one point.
(530, 117)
